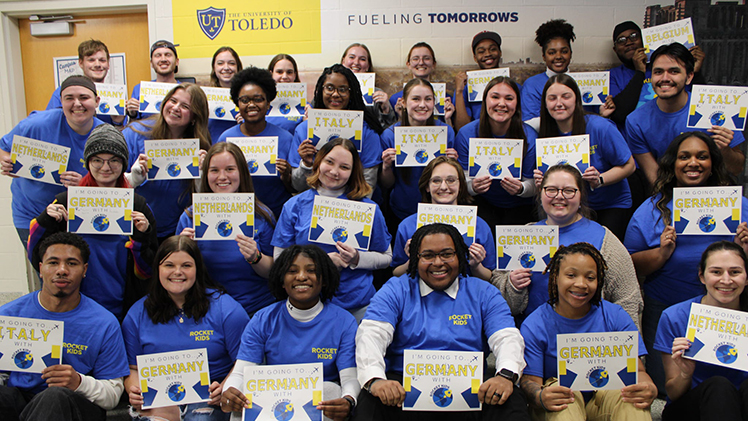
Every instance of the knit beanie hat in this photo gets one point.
(104, 138)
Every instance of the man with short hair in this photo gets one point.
(165, 62)
(487, 54)
(89, 379)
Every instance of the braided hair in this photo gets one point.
(554, 267)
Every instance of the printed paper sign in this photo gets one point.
(417, 146)
(112, 99)
(366, 80)
(440, 97)
(707, 210)
(572, 150)
(679, 31)
(288, 392)
(325, 125)
(478, 79)
(260, 153)
(173, 159)
(220, 105)
(290, 101)
(442, 380)
(37, 160)
(174, 378)
(347, 221)
(222, 216)
(100, 210)
(498, 158)
(463, 218)
(598, 361)
(525, 246)
(712, 105)
(152, 94)
(30, 345)
(65, 67)
(718, 336)
(593, 86)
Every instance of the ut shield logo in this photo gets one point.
(211, 21)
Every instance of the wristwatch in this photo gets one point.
(509, 375)
(601, 181)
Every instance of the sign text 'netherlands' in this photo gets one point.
(497, 158)
(442, 380)
(30, 345)
(112, 99)
(598, 361)
(463, 218)
(347, 221)
(174, 378)
(525, 246)
(723, 106)
(38, 160)
(290, 100)
(173, 159)
(478, 79)
(572, 150)
(593, 86)
(718, 336)
(223, 216)
(707, 210)
(325, 125)
(220, 105)
(289, 392)
(100, 210)
(679, 31)
(260, 153)
(417, 146)
(152, 95)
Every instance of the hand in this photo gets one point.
(233, 400)
(495, 391)
(390, 392)
(722, 136)
(188, 232)
(380, 97)
(477, 253)
(407, 248)
(698, 55)
(201, 157)
(6, 165)
(556, 398)
(247, 247)
(307, 151)
(281, 166)
(61, 375)
(215, 390)
(686, 366)
(239, 119)
(482, 184)
(667, 242)
(136, 398)
(641, 395)
(449, 108)
(741, 235)
(132, 106)
(349, 255)
(399, 106)
(592, 176)
(70, 178)
(337, 260)
(388, 158)
(306, 110)
(640, 60)
(512, 185)
(138, 171)
(335, 409)
(140, 221)
(452, 153)
(608, 107)
(538, 177)
(460, 81)
(520, 278)
(57, 211)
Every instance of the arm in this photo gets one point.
(678, 370)
(372, 260)
(648, 261)
(649, 165)
(621, 286)
(387, 175)
(299, 175)
(516, 298)
(372, 339)
(641, 394)
(627, 100)
(460, 116)
(233, 399)
(550, 398)
(370, 174)
(733, 156)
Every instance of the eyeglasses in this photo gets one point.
(436, 181)
(552, 192)
(622, 40)
(257, 99)
(444, 255)
(98, 163)
(330, 89)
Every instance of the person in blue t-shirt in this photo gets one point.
(610, 161)
(486, 48)
(241, 266)
(302, 327)
(88, 380)
(357, 58)
(697, 390)
(506, 201)
(576, 276)
(165, 62)
(226, 63)
(284, 70)
(182, 301)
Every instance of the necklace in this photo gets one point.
(181, 315)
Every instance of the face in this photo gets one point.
(669, 77)
(626, 50)
(421, 62)
(223, 173)
(177, 273)
(335, 168)
(225, 68)
(487, 54)
(356, 59)
(336, 100)
(557, 55)
(560, 101)
(163, 61)
(560, 210)
(693, 164)
(437, 273)
(501, 103)
(283, 72)
(420, 104)
(253, 103)
(62, 270)
(301, 283)
(95, 66)
(444, 185)
(577, 283)
(105, 168)
(177, 111)
(79, 105)
(724, 278)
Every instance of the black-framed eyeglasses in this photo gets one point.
(98, 163)
(257, 99)
(330, 89)
(444, 255)
(622, 40)
(552, 192)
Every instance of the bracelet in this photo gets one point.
(368, 386)
(350, 401)
(540, 398)
(257, 259)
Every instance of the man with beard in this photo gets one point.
(165, 62)
(487, 54)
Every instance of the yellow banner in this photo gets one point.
(251, 27)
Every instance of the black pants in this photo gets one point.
(53, 404)
(714, 399)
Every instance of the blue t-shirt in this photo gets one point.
(30, 198)
(621, 76)
(532, 92)
(274, 337)
(405, 195)
(678, 279)
(288, 124)
(356, 288)
(542, 326)
(496, 195)
(394, 98)
(218, 331)
(649, 129)
(56, 102)
(269, 189)
(673, 324)
(92, 340)
(435, 321)
(217, 127)
(408, 226)
(228, 267)
(371, 148)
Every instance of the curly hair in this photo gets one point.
(554, 266)
(64, 238)
(356, 188)
(461, 249)
(280, 57)
(253, 76)
(326, 271)
(463, 196)
(355, 99)
(555, 28)
(549, 125)
(213, 77)
(726, 246)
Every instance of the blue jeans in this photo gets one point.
(196, 412)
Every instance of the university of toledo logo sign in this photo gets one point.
(211, 21)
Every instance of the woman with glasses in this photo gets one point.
(357, 58)
(563, 197)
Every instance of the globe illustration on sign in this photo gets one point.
(158, 106)
(599, 377)
(442, 397)
(285, 108)
(225, 228)
(220, 112)
(23, 359)
(104, 107)
(37, 171)
(283, 411)
(727, 354)
(422, 156)
(176, 392)
(707, 223)
(527, 260)
(173, 169)
(494, 169)
(717, 119)
(340, 234)
(253, 166)
(101, 223)
(587, 97)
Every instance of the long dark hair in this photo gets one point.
(516, 126)
(553, 267)
(213, 77)
(548, 125)
(726, 246)
(461, 249)
(355, 100)
(326, 271)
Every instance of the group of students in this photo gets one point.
(274, 297)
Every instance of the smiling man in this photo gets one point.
(165, 62)
(89, 378)
(487, 54)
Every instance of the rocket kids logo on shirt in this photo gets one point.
(211, 21)
(325, 353)
(460, 319)
(201, 335)
(718, 336)
(29, 345)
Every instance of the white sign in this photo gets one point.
(288, 392)
(440, 95)
(152, 94)
(260, 153)
(347, 221)
(598, 361)
(593, 86)
(707, 210)
(37, 160)
(174, 378)
(417, 146)
(497, 158)
(679, 31)
(112, 99)
(478, 79)
(572, 150)
(723, 106)
(222, 216)
(30, 345)
(366, 80)
(325, 125)
(525, 246)
(65, 67)
(173, 159)
(718, 336)
(100, 210)
(220, 105)
(463, 218)
(290, 101)
(442, 380)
